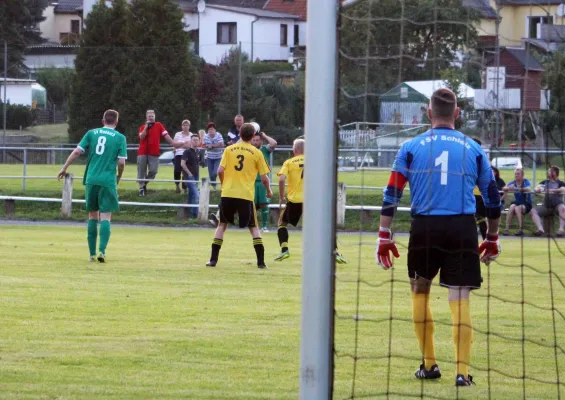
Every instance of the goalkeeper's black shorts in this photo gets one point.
(448, 245)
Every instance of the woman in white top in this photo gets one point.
(183, 137)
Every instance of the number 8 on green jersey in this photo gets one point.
(104, 146)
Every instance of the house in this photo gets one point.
(540, 23)
(63, 22)
(514, 84)
(216, 26)
(24, 91)
(403, 103)
(61, 29)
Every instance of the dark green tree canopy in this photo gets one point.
(18, 22)
(134, 57)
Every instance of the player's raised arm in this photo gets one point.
(391, 199)
(271, 143)
(490, 249)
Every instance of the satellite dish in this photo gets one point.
(561, 10)
(201, 6)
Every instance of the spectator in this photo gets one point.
(214, 144)
(233, 134)
(201, 134)
(191, 161)
(149, 150)
(183, 136)
(522, 203)
(500, 184)
(553, 203)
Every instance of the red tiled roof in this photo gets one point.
(294, 7)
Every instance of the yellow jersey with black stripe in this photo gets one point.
(293, 169)
(242, 162)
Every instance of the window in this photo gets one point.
(75, 26)
(296, 35)
(227, 33)
(284, 34)
(533, 23)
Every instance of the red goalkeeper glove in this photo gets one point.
(385, 245)
(490, 248)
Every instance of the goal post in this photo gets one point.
(318, 263)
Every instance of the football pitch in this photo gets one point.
(153, 322)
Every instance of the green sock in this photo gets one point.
(92, 235)
(104, 236)
(265, 213)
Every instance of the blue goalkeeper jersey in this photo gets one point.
(442, 167)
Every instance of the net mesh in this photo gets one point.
(392, 55)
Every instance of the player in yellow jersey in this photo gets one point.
(293, 170)
(240, 164)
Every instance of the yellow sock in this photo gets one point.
(462, 334)
(424, 327)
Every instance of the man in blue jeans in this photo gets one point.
(191, 161)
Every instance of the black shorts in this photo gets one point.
(245, 209)
(448, 245)
(291, 214)
(481, 211)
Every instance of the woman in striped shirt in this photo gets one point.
(214, 144)
(183, 137)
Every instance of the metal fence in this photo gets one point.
(349, 159)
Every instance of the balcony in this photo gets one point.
(69, 38)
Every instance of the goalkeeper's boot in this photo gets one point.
(432, 373)
(92, 259)
(283, 256)
(102, 258)
(339, 259)
(460, 380)
(211, 263)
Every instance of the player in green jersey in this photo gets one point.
(261, 199)
(106, 150)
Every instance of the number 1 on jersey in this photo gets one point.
(442, 161)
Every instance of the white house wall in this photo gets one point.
(267, 39)
(302, 33)
(55, 24)
(50, 60)
(266, 36)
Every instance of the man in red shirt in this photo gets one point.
(149, 150)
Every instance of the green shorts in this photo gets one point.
(100, 198)
(261, 194)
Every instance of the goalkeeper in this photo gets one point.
(442, 167)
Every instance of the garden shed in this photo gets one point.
(403, 103)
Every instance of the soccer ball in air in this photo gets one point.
(256, 126)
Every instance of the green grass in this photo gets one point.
(154, 323)
(49, 133)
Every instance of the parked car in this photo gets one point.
(167, 158)
(506, 162)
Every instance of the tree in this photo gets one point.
(57, 82)
(159, 72)
(134, 57)
(383, 44)
(554, 80)
(100, 66)
(18, 20)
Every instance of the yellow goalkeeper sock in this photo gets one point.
(462, 334)
(424, 327)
